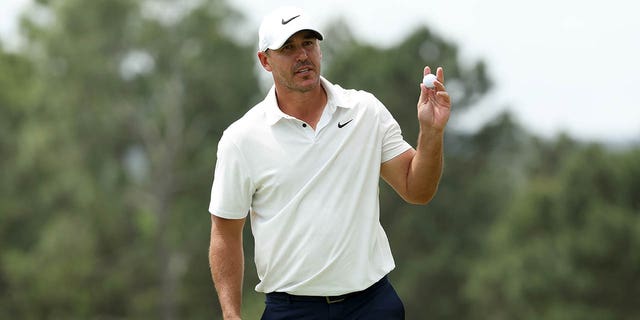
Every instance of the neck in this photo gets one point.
(303, 105)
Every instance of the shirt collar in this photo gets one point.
(274, 114)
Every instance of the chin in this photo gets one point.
(310, 87)
(305, 84)
(310, 80)
(302, 84)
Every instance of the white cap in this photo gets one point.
(281, 24)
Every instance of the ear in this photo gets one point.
(264, 60)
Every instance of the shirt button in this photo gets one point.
(304, 125)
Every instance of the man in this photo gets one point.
(305, 163)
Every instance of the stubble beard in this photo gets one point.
(293, 85)
(314, 75)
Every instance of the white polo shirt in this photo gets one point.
(312, 195)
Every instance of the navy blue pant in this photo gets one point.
(378, 302)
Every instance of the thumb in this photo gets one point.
(424, 94)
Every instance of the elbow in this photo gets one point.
(422, 198)
(419, 200)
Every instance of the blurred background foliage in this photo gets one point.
(110, 113)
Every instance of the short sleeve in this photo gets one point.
(393, 144)
(232, 188)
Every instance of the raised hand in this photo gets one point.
(434, 104)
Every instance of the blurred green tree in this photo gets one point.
(109, 118)
(109, 150)
(16, 97)
(567, 246)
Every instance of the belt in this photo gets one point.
(283, 296)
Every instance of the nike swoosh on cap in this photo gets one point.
(289, 20)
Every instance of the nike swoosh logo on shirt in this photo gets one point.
(287, 21)
(340, 125)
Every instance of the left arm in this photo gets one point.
(415, 174)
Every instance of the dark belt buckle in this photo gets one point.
(336, 299)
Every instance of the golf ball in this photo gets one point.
(428, 80)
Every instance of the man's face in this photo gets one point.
(295, 65)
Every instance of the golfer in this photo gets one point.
(305, 164)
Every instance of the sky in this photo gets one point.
(558, 65)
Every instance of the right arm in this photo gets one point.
(226, 260)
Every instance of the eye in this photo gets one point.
(287, 47)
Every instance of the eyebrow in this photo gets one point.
(308, 34)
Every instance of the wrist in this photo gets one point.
(232, 317)
(431, 132)
(231, 311)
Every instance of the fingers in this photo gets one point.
(444, 97)
(438, 91)
(439, 77)
(424, 94)
(439, 73)
(439, 86)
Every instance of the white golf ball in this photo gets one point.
(428, 80)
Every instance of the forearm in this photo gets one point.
(226, 259)
(425, 170)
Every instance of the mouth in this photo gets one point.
(303, 70)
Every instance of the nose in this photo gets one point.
(302, 54)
